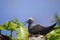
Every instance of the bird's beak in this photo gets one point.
(25, 22)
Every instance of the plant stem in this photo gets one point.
(11, 34)
(0, 32)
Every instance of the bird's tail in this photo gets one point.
(52, 26)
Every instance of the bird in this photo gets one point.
(39, 29)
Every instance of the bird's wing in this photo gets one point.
(38, 27)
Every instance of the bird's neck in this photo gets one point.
(30, 25)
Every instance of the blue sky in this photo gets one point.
(41, 10)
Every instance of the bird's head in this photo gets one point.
(30, 20)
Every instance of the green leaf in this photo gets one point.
(1, 27)
(22, 33)
(5, 25)
(17, 21)
(54, 35)
(10, 26)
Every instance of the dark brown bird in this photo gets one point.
(38, 29)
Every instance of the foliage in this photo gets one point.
(10, 26)
(22, 31)
(55, 34)
(1, 27)
(57, 18)
(16, 25)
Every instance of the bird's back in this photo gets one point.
(36, 29)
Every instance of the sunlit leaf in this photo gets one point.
(12, 26)
(5, 25)
(54, 35)
(22, 33)
(1, 27)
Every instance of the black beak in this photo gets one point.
(25, 22)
